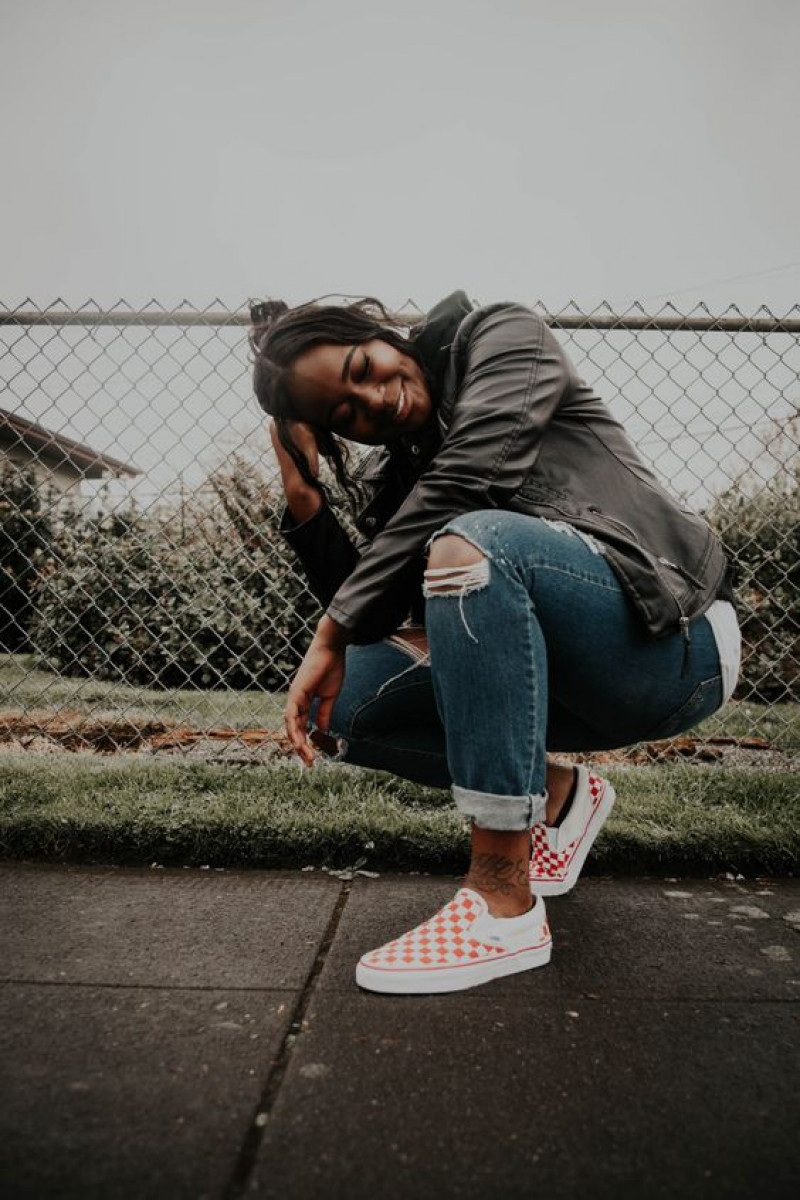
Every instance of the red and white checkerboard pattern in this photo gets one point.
(548, 861)
(442, 941)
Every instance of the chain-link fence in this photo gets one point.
(148, 602)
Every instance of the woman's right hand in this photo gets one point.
(304, 438)
(303, 501)
(321, 674)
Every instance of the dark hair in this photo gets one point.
(279, 335)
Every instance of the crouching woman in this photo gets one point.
(520, 583)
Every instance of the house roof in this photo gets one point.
(17, 430)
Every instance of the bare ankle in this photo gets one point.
(500, 905)
(499, 870)
(559, 785)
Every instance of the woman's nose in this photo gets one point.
(374, 399)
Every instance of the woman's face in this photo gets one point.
(368, 392)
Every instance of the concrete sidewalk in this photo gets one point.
(198, 1033)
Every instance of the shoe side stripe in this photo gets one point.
(457, 966)
(545, 872)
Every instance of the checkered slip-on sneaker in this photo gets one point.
(558, 854)
(459, 947)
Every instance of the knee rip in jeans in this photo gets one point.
(458, 581)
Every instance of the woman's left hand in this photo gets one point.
(321, 674)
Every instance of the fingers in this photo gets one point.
(296, 722)
(321, 674)
(305, 439)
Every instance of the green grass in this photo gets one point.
(81, 807)
(23, 687)
(670, 819)
(778, 723)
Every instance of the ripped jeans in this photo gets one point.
(538, 649)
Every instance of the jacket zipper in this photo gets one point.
(683, 620)
(620, 525)
(681, 571)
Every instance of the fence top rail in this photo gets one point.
(153, 318)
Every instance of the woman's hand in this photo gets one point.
(303, 501)
(321, 674)
(304, 438)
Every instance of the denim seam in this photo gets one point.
(702, 684)
(533, 694)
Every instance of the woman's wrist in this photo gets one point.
(303, 502)
(330, 633)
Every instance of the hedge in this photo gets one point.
(205, 598)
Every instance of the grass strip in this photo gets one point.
(26, 688)
(671, 819)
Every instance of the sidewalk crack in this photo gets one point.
(280, 1064)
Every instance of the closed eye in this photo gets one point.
(365, 366)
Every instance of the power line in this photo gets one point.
(710, 283)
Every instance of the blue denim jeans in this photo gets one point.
(541, 650)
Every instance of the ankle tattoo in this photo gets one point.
(499, 875)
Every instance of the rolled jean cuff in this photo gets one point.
(509, 813)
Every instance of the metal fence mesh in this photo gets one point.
(146, 599)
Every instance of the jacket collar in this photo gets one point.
(434, 336)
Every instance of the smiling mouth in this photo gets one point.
(401, 407)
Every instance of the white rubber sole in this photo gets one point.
(428, 980)
(557, 887)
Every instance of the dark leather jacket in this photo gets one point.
(515, 429)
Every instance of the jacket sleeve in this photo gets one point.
(514, 379)
(326, 553)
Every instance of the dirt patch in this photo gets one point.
(68, 730)
(743, 753)
(43, 733)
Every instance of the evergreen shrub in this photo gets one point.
(25, 537)
(760, 527)
(204, 597)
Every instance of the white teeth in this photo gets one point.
(401, 403)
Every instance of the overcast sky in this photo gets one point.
(520, 149)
